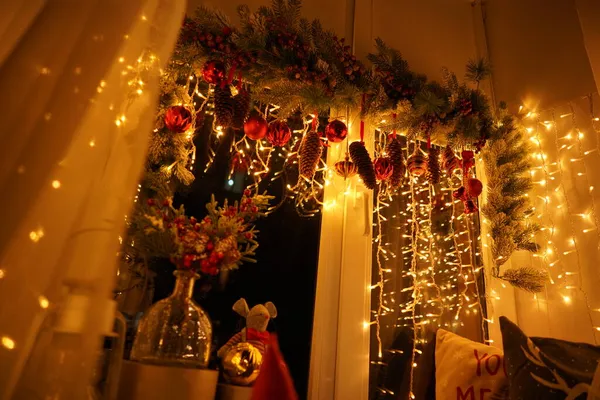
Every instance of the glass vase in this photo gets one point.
(175, 331)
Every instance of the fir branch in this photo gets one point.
(427, 103)
(507, 206)
(450, 80)
(478, 70)
(526, 278)
(287, 11)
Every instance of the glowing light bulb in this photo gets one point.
(567, 299)
(44, 303)
(8, 342)
(36, 235)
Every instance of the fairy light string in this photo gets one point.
(380, 283)
(437, 283)
(431, 240)
(570, 218)
(582, 157)
(414, 232)
(473, 256)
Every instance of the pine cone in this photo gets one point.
(360, 157)
(310, 154)
(241, 106)
(433, 166)
(394, 151)
(450, 162)
(223, 107)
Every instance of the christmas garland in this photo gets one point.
(278, 67)
(507, 206)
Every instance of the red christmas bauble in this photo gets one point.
(178, 119)
(468, 159)
(255, 127)
(213, 72)
(279, 133)
(383, 168)
(475, 187)
(336, 131)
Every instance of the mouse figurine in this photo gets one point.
(255, 331)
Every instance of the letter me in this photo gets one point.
(463, 396)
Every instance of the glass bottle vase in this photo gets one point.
(175, 331)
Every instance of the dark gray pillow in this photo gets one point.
(546, 369)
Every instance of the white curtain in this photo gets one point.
(78, 90)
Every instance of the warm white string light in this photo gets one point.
(549, 181)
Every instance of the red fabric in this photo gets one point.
(468, 159)
(274, 381)
(253, 334)
(362, 131)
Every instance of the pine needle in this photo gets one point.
(478, 70)
(526, 278)
(427, 103)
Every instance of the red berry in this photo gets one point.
(226, 30)
(210, 246)
(220, 255)
(254, 209)
(150, 202)
(204, 263)
(247, 192)
(166, 203)
(248, 235)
